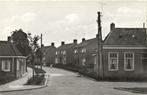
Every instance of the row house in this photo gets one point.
(12, 62)
(64, 53)
(49, 54)
(125, 53)
(83, 52)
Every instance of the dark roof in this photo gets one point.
(67, 46)
(49, 49)
(8, 49)
(126, 36)
(87, 42)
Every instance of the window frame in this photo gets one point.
(132, 65)
(83, 50)
(4, 64)
(75, 51)
(109, 62)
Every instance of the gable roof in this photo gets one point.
(66, 46)
(48, 48)
(8, 49)
(126, 36)
(87, 42)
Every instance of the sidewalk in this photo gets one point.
(18, 85)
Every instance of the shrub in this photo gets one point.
(36, 80)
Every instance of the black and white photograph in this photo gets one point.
(73, 47)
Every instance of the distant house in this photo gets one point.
(64, 53)
(84, 52)
(12, 63)
(49, 54)
(125, 53)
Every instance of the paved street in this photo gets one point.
(62, 82)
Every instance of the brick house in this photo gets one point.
(84, 52)
(49, 54)
(64, 53)
(125, 53)
(12, 63)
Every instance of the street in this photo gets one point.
(62, 82)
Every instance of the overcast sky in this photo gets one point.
(60, 20)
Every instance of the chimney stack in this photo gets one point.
(112, 26)
(52, 44)
(9, 39)
(62, 43)
(75, 41)
(83, 39)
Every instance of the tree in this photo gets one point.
(35, 49)
(20, 39)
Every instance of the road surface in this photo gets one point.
(62, 82)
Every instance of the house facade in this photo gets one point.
(12, 63)
(125, 53)
(84, 53)
(49, 54)
(64, 53)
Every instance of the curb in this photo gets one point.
(23, 89)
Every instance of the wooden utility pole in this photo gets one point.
(41, 51)
(100, 48)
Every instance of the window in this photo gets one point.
(64, 52)
(64, 60)
(83, 61)
(56, 60)
(83, 50)
(56, 52)
(6, 65)
(75, 51)
(113, 61)
(128, 61)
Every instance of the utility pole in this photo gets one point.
(41, 50)
(100, 48)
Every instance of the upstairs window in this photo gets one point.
(83, 50)
(113, 61)
(6, 65)
(56, 52)
(128, 61)
(75, 51)
(64, 52)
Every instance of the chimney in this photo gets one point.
(9, 39)
(143, 25)
(52, 44)
(112, 26)
(62, 43)
(83, 39)
(75, 41)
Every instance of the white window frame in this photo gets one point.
(64, 52)
(56, 52)
(83, 50)
(132, 65)
(109, 62)
(83, 61)
(75, 51)
(4, 64)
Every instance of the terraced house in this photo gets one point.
(12, 63)
(125, 53)
(64, 53)
(84, 53)
(49, 54)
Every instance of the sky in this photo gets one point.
(62, 20)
